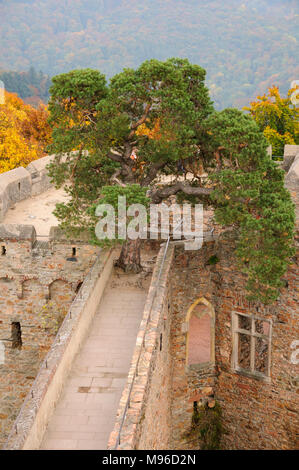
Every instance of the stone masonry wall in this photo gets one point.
(38, 281)
(29, 428)
(157, 417)
(191, 279)
(256, 414)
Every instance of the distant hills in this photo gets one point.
(245, 45)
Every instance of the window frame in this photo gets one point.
(253, 334)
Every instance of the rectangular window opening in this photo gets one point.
(16, 335)
(251, 345)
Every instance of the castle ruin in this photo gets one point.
(199, 340)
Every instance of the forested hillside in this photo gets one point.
(31, 86)
(245, 46)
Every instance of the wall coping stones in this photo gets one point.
(11, 176)
(291, 150)
(17, 232)
(57, 234)
(39, 165)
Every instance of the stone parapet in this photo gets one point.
(22, 183)
(15, 185)
(39, 174)
(290, 152)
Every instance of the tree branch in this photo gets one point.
(114, 178)
(115, 156)
(76, 163)
(152, 173)
(140, 121)
(158, 195)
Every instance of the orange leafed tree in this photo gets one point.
(24, 132)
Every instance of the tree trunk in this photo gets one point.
(129, 259)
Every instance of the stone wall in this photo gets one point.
(192, 278)
(22, 183)
(38, 282)
(290, 153)
(39, 175)
(15, 185)
(28, 429)
(260, 411)
(257, 414)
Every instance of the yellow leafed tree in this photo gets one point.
(24, 133)
(277, 117)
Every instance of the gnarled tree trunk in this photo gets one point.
(129, 259)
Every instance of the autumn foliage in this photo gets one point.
(24, 133)
(277, 117)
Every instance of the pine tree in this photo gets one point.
(157, 120)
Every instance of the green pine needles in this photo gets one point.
(159, 120)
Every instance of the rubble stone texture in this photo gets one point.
(32, 275)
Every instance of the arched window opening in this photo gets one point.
(200, 341)
(199, 337)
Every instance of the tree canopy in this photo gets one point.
(159, 119)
